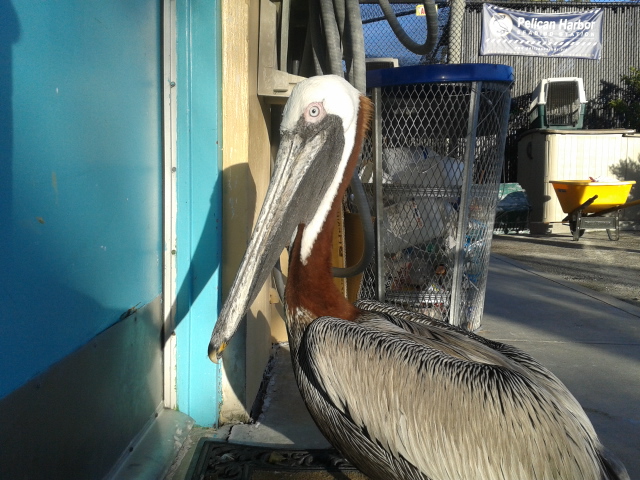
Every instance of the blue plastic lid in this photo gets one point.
(460, 72)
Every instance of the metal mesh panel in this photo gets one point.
(602, 78)
(438, 169)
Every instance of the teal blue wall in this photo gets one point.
(80, 174)
(81, 181)
(199, 219)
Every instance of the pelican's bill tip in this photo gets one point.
(216, 352)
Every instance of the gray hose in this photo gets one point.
(431, 18)
(354, 44)
(331, 37)
(335, 32)
(340, 12)
(342, 25)
(316, 46)
(279, 281)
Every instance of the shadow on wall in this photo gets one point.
(629, 170)
(196, 290)
(206, 259)
(204, 262)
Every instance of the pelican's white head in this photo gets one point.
(318, 132)
(311, 101)
(334, 93)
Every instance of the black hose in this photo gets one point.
(362, 205)
(367, 226)
(317, 50)
(431, 18)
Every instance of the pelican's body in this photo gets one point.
(402, 396)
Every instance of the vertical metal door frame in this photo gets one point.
(169, 199)
(192, 205)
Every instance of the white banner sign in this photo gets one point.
(570, 34)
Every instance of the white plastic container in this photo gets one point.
(545, 155)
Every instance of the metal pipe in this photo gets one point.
(456, 315)
(377, 182)
(455, 30)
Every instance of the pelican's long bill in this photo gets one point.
(298, 186)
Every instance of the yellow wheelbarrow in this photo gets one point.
(586, 202)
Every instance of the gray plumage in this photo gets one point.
(404, 396)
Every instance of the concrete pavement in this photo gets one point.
(590, 340)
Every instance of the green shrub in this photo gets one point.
(627, 106)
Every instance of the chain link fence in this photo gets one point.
(602, 78)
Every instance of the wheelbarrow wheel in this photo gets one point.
(572, 227)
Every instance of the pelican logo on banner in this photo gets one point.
(570, 34)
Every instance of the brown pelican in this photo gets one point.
(400, 395)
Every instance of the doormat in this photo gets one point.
(216, 460)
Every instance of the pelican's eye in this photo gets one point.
(314, 112)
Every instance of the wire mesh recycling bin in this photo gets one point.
(431, 169)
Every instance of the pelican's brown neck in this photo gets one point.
(310, 286)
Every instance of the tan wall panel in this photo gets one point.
(236, 190)
(246, 172)
(259, 159)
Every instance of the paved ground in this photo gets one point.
(593, 262)
(589, 339)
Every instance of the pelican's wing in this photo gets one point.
(419, 324)
(451, 408)
(425, 327)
